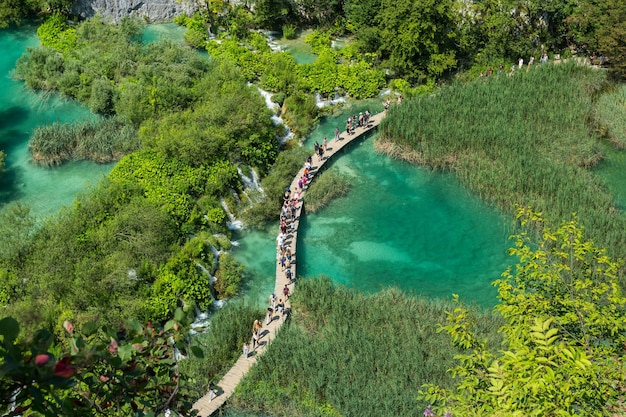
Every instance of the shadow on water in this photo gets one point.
(10, 117)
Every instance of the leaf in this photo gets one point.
(135, 325)
(169, 325)
(10, 329)
(89, 328)
(125, 352)
(197, 352)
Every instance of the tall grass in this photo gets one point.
(221, 344)
(104, 140)
(610, 115)
(522, 139)
(346, 353)
(325, 187)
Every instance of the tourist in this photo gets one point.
(270, 314)
(245, 350)
(531, 61)
(337, 133)
(280, 307)
(289, 275)
(255, 338)
(400, 99)
(520, 63)
(272, 300)
(286, 292)
(320, 153)
(325, 143)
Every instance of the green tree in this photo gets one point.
(599, 28)
(564, 334)
(417, 38)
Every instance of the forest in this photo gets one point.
(98, 300)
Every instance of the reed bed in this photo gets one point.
(104, 140)
(221, 344)
(325, 187)
(346, 353)
(521, 139)
(610, 115)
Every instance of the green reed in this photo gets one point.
(103, 140)
(521, 139)
(326, 187)
(346, 353)
(610, 114)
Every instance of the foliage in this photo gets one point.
(599, 28)
(301, 112)
(229, 275)
(180, 281)
(13, 12)
(510, 149)
(564, 334)
(228, 329)
(103, 140)
(287, 165)
(289, 31)
(346, 352)
(326, 187)
(610, 115)
(167, 183)
(56, 34)
(97, 370)
(17, 228)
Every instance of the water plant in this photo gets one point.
(344, 352)
(326, 187)
(521, 139)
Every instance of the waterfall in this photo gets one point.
(276, 119)
(321, 103)
(233, 223)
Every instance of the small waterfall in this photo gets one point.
(233, 223)
(276, 119)
(321, 103)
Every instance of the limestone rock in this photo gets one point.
(150, 10)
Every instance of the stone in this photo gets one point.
(148, 10)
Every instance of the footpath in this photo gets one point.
(214, 399)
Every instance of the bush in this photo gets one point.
(326, 187)
(229, 275)
(289, 31)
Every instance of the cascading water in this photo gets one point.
(321, 103)
(276, 119)
(232, 223)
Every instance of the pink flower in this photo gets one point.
(42, 359)
(113, 347)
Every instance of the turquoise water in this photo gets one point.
(611, 169)
(169, 31)
(45, 190)
(400, 225)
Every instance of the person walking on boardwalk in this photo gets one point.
(255, 338)
(286, 292)
(245, 350)
(270, 315)
(337, 133)
(325, 144)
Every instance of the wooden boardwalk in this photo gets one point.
(211, 402)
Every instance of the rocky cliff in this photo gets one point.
(150, 10)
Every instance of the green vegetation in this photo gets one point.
(104, 140)
(95, 370)
(610, 115)
(229, 328)
(343, 352)
(326, 187)
(565, 324)
(521, 139)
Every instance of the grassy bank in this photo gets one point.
(522, 139)
(344, 352)
(324, 189)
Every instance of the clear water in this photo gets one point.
(400, 225)
(611, 169)
(45, 190)
(170, 31)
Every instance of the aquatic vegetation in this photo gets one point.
(345, 352)
(610, 115)
(521, 139)
(103, 140)
(326, 187)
